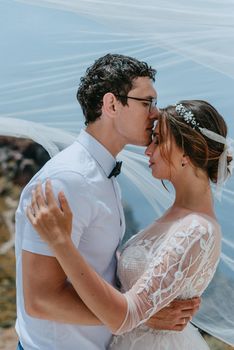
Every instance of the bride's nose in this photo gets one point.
(149, 149)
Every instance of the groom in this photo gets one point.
(119, 105)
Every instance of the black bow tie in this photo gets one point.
(116, 170)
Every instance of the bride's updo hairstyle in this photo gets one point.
(184, 122)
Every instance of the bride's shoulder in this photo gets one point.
(201, 221)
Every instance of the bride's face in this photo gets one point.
(162, 167)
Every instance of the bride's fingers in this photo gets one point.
(64, 204)
(34, 205)
(49, 195)
(30, 215)
(40, 199)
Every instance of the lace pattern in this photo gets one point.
(164, 262)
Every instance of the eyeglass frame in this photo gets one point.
(153, 101)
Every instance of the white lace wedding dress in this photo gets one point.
(167, 260)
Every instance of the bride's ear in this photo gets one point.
(185, 160)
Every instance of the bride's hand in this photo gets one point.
(53, 223)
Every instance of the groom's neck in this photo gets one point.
(107, 136)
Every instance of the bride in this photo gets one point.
(176, 256)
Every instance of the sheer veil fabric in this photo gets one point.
(45, 48)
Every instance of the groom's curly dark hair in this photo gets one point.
(111, 73)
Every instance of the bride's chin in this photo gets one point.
(156, 176)
(159, 176)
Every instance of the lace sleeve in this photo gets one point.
(183, 256)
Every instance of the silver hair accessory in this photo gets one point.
(187, 115)
(224, 169)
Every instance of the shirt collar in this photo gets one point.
(102, 156)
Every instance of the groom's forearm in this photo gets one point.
(48, 295)
(64, 307)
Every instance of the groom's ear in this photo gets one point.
(109, 104)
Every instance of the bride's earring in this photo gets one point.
(184, 160)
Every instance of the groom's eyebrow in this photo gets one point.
(151, 97)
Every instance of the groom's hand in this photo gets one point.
(175, 316)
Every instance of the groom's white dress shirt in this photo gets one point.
(81, 171)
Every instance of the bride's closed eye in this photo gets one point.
(155, 138)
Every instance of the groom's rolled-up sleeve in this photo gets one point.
(80, 201)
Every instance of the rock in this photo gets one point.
(8, 339)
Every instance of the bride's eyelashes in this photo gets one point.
(155, 138)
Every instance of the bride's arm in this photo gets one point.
(108, 304)
(97, 294)
(119, 312)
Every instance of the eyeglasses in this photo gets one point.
(151, 102)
